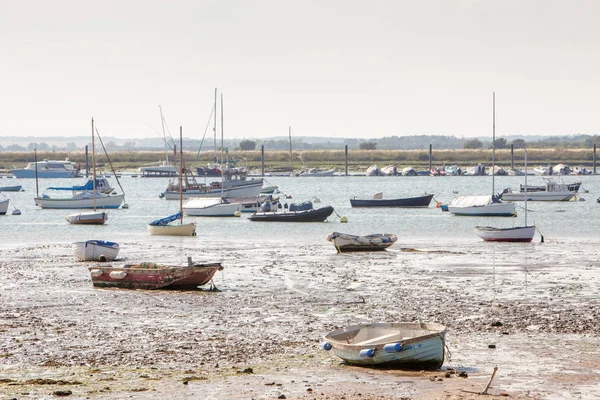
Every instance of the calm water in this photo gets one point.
(557, 220)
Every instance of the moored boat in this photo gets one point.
(95, 250)
(4, 206)
(307, 214)
(554, 191)
(516, 234)
(11, 188)
(401, 345)
(48, 169)
(87, 218)
(344, 242)
(481, 206)
(379, 201)
(152, 276)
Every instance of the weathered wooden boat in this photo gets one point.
(402, 345)
(294, 215)
(344, 242)
(95, 250)
(151, 276)
(379, 201)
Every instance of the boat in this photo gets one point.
(80, 200)
(554, 191)
(401, 345)
(452, 170)
(101, 185)
(344, 242)
(390, 170)
(474, 170)
(48, 169)
(303, 212)
(212, 170)
(374, 170)
(4, 206)
(409, 171)
(543, 170)
(192, 189)
(484, 206)
(316, 172)
(379, 201)
(94, 217)
(95, 250)
(211, 207)
(572, 187)
(12, 188)
(152, 276)
(163, 226)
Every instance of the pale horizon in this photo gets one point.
(342, 69)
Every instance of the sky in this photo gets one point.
(329, 68)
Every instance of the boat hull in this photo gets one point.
(151, 276)
(420, 201)
(4, 206)
(30, 173)
(87, 218)
(213, 207)
(95, 250)
(248, 190)
(539, 196)
(419, 346)
(15, 188)
(314, 215)
(173, 230)
(113, 201)
(489, 210)
(517, 234)
(344, 242)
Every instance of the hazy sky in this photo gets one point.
(342, 68)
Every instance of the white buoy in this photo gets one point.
(343, 220)
(237, 213)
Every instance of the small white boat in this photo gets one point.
(481, 206)
(48, 169)
(211, 207)
(517, 234)
(87, 218)
(344, 242)
(4, 206)
(554, 191)
(95, 250)
(396, 345)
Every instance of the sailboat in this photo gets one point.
(162, 226)
(515, 234)
(484, 206)
(215, 206)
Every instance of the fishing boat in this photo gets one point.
(401, 345)
(94, 217)
(95, 250)
(152, 276)
(12, 188)
(296, 213)
(163, 226)
(48, 169)
(344, 242)
(379, 201)
(514, 234)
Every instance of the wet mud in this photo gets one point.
(530, 310)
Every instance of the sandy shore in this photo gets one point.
(529, 310)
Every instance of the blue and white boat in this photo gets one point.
(95, 250)
(48, 169)
(402, 345)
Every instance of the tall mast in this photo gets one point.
(180, 174)
(493, 140)
(215, 131)
(93, 165)
(162, 122)
(291, 157)
(525, 187)
(222, 166)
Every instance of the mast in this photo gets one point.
(93, 165)
(162, 122)
(525, 187)
(215, 133)
(493, 139)
(37, 192)
(180, 174)
(222, 167)
(291, 157)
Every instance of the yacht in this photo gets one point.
(48, 169)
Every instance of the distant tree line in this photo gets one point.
(414, 142)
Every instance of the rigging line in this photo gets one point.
(109, 161)
(205, 129)
(161, 136)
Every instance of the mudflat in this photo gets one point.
(531, 310)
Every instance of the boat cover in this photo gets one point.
(89, 185)
(471, 201)
(306, 205)
(166, 220)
